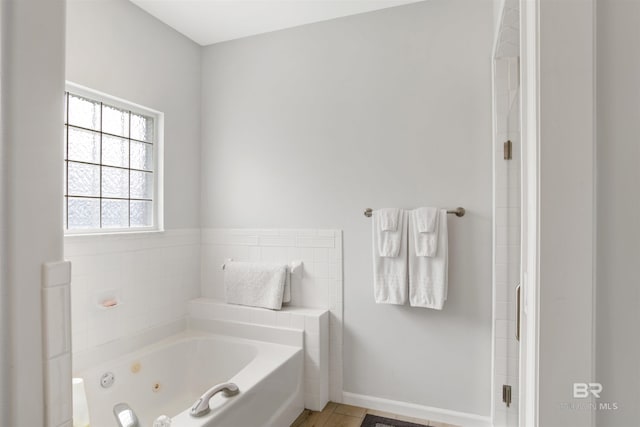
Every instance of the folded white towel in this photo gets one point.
(255, 284)
(390, 273)
(389, 218)
(426, 219)
(425, 230)
(428, 276)
(387, 225)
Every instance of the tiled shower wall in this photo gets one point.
(151, 275)
(506, 237)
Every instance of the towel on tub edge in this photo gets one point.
(255, 284)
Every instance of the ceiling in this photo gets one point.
(213, 21)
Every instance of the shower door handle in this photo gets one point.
(518, 311)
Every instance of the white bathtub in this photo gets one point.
(166, 378)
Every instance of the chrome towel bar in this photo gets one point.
(459, 212)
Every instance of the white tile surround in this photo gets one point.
(57, 342)
(319, 250)
(319, 287)
(506, 238)
(218, 317)
(152, 275)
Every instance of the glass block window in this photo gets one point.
(110, 176)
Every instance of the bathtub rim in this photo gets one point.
(185, 335)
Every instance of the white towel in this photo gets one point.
(286, 294)
(294, 269)
(390, 273)
(428, 276)
(425, 230)
(255, 284)
(389, 219)
(426, 219)
(387, 225)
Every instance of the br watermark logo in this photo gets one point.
(588, 391)
(583, 390)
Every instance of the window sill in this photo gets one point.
(122, 234)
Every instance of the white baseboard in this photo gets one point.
(462, 419)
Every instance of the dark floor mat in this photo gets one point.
(375, 421)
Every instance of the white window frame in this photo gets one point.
(158, 162)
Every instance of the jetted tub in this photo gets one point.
(167, 377)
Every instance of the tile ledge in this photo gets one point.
(285, 309)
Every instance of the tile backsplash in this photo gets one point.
(317, 249)
(57, 343)
(320, 250)
(151, 276)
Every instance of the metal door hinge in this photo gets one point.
(518, 310)
(506, 394)
(508, 148)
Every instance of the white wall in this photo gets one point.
(116, 48)
(618, 152)
(306, 127)
(32, 105)
(566, 203)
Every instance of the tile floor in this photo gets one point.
(338, 415)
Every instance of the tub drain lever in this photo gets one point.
(201, 406)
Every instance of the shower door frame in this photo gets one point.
(529, 122)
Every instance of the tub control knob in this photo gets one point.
(107, 379)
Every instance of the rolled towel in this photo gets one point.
(255, 284)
